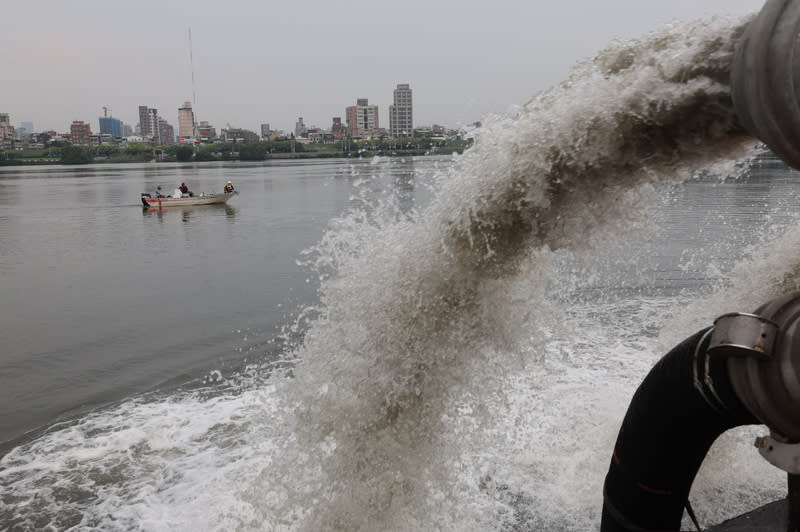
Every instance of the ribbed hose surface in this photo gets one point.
(666, 433)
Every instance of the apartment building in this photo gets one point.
(401, 121)
(362, 119)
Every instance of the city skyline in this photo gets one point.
(361, 119)
(256, 63)
(149, 117)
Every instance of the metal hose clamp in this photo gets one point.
(740, 334)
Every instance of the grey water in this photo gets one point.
(101, 299)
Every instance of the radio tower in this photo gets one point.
(191, 66)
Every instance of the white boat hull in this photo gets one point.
(202, 199)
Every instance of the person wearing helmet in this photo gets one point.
(228, 187)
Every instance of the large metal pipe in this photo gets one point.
(769, 385)
(765, 76)
(744, 370)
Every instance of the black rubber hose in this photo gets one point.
(667, 431)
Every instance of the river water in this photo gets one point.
(389, 344)
(103, 299)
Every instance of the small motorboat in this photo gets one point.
(185, 200)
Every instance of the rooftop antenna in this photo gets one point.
(105, 112)
(191, 65)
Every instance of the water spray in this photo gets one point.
(746, 368)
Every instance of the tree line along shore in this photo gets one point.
(227, 151)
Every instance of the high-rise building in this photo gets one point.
(80, 133)
(265, 131)
(166, 133)
(336, 128)
(110, 126)
(300, 129)
(206, 130)
(6, 132)
(362, 119)
(148, 123)
(401, 123)
(26, 129)
(186, 123)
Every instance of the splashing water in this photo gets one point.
(419, 311)
(451, 378)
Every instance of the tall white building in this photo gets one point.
(186, 123)
(401, 121)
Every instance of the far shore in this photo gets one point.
(276, 156)
(260, 151)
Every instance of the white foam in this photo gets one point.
(422, 314)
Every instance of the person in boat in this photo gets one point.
(159, 194)
(228, 187)
(185, 190)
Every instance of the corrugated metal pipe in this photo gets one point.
(744, 370)
(765, 77)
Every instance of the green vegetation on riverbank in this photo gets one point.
(257, 151)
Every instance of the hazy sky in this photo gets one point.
(271, 61)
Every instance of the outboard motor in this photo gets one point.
(743, 370)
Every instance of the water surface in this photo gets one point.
(102, 298)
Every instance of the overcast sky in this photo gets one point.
(272, 61)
